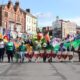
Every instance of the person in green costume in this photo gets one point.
(10, 50)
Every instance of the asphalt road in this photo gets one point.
(41, 71)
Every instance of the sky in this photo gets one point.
(47, 10)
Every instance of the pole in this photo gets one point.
(61, 28)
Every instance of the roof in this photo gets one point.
(31, 15)
(3, 5)
(64, 20)
(14, 8)
(28, 13)
(22, 10)
(78, 27)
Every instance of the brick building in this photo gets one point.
(12, 17)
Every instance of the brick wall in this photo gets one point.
(0, 16)
(9, 14)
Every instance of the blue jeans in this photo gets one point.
(22, 55)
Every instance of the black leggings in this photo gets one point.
(10, 56)
(1, 54)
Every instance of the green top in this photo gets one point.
(10, 46)
(22, 48)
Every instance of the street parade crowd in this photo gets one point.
(39, 47)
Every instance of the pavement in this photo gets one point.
(66, 70)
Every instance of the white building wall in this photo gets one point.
(31, 24)
(28, 23)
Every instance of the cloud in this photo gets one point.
(44, 15)
(45, 19)
(45, 23)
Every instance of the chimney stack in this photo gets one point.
(28, 10)
(17, 3)
(9, 3)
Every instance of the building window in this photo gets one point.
(18, 18)
(11, 16)
(6, 14)
(11, 26)
(19, 29)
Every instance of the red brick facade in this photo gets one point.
(12, 17)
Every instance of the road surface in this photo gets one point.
(40, 71)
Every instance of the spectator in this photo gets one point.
(22, 49)
(10, 50)
(2, 49)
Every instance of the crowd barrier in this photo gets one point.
(48, 54)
